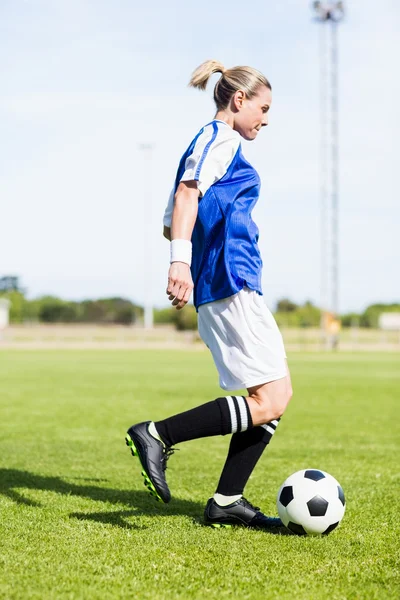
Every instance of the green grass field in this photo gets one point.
(77, 522)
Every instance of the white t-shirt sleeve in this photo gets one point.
(212, 154)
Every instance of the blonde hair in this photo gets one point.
(238, 78)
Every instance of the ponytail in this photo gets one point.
(203, 73)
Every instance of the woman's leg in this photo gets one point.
(222, 416)
(268, 402)
(246, 448)
(229, 414)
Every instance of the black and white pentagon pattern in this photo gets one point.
(331, 528)
(286, 495)
(341, 495)
(317, 506)
(314, 474)
(296, 528)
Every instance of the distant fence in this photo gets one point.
(95, 336)
(350, 339)
(115, 336)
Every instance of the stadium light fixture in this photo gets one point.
(329, 11)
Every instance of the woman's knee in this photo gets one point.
(278, 407)
(272, 402)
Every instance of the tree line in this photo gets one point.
(287, 314)
(51, 309)
(116, 310)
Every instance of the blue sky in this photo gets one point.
(84, 83)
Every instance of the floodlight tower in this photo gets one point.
(147, 153)
(329, 14)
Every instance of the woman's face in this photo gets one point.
(251, 114)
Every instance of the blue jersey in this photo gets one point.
(225, 255)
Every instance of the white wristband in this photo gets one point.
(181, 251)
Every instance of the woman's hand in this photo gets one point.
(180, 284)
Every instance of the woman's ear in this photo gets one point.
(238, 99)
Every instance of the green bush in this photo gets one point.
(31, 310)
(165, 316)
(17, 305)
(51, 309)
(186, 318)
(370, 316)
(307, 315)
(350, 319)
(55, 310)
(109, 310)
(125, 315)
(284, 305)
(287, 319)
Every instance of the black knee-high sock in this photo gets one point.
(229, 414)
(244, 452)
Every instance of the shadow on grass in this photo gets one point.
(115, 518)
(140, 502)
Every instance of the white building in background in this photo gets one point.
(4, 313)
(389, 321)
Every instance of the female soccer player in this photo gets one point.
(209, 210)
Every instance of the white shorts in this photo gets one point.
(244, 339)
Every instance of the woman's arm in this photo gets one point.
(185, 210)
(180, 283)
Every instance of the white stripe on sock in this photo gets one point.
(232, 410)
(268, 428)
(243, 412)
(275, 422)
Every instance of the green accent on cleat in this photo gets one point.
(147, 482)
(220, 525)
(131, 445)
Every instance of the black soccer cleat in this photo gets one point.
(241, 512)
(153, 456)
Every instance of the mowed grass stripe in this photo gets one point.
(77, 522)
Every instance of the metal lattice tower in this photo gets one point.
(329, 14)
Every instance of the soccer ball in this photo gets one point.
(311, 502)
